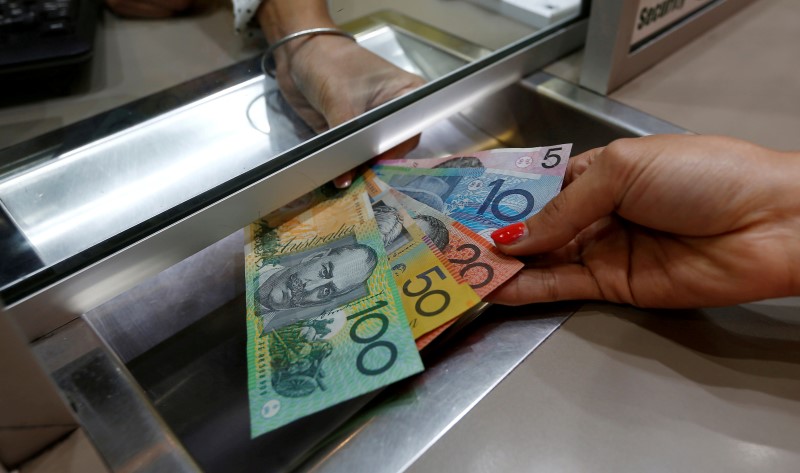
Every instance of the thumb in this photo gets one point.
(585, 201)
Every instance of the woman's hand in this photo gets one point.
(664, 221)
(329, 79)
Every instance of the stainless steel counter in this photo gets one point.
(619, 389)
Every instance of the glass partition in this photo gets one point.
(175, 114)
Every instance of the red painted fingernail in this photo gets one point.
(510, 234)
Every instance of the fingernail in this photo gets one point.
(342, 183)
(510, 234)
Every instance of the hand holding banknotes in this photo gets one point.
(664, 221)
(345, 286)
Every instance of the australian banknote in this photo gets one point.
(484, 199)
(482, 265)
(300, 205)
(546, 160)
(479, 262)
(433, 292)
(325, 321)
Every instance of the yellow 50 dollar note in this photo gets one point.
(432, 292)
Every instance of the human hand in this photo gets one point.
(664, 221)
(148, 8)
(329, 80)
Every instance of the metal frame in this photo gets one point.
(107, 400)
(610, 60)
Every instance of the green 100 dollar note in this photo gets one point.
(325, 322)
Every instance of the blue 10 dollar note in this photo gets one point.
(482, 199)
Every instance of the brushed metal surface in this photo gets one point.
(407, 419)
(550, 102)
(89, 194)
(610, 61)
(619, 389)
(112, 409)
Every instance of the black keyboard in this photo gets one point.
(41, 34)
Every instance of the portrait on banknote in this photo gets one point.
(390, 224)
(305, 284)
(435, 229)
(430, 190)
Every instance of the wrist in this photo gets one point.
(280, 18)
(311, 51)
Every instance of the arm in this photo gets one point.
(664, 221)
(329, 79)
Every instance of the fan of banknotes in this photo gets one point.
(345, 287)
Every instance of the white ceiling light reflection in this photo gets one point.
(78, 200)
(154, 189)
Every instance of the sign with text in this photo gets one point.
(653, 16)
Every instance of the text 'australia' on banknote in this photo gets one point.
(432, 292)
(325, 322)
(484, 199)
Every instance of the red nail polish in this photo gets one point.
(510, 234)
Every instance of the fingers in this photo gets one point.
(579, 164)
(399, 151)
(583, 202)
(558, 283)
(344, 181)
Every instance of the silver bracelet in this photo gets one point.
(268, 65)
